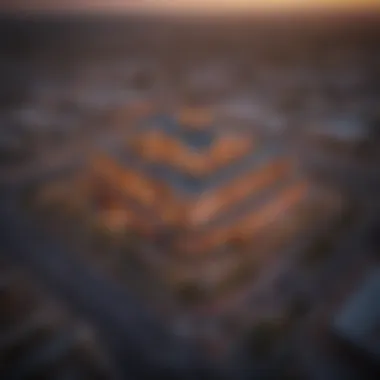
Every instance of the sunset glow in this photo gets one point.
(190, 5)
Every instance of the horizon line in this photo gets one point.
(100, 11)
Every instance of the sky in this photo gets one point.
(186, 5)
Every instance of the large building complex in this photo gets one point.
(214, 204)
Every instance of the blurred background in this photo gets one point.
(189, 189)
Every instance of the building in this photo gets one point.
(341, 135)
(358, 321)
(214, 203)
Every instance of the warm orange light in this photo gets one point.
(190, 5)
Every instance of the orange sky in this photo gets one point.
(187, 5)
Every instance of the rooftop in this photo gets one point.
(359, 320)
(192, 161)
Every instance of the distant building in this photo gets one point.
(358, 322)
(341, 133)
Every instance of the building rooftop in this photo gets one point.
(213, 186)
(192, 161)
(358, 322)
(349, 129)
